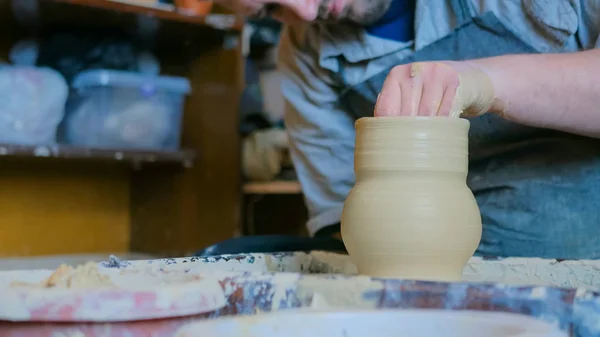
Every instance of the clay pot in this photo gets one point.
(410, 214)
(194, 7)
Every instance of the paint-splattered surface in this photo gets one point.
(272, 282)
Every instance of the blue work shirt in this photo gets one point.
(398, 23)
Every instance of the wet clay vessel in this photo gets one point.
(410, 214)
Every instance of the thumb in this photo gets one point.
(475, 93)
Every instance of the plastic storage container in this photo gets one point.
(32, 104)
(117, 109)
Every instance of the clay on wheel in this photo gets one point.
(410, 214)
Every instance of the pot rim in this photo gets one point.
(392, 120)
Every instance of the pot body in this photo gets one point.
(410, 214)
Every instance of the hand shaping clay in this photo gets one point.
(410, 214)
(475, 95)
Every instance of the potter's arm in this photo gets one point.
(556, 91)
(321, 135)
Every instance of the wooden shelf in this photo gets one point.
(184, 158)
(165, 12)
(273, 187)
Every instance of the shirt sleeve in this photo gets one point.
(321, 134)
(588, 32)
(549, 25)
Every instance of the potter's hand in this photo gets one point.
(435, 89)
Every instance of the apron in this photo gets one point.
(538, 190)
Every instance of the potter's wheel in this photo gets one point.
(294, 282)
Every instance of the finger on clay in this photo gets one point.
(411, 89)
(450, 91)
(389, 99)
(431, 98)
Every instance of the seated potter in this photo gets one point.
(526, 74)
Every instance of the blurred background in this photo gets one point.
(140, 128)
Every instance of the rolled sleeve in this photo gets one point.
(321, 134)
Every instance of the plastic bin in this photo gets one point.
(32, 104)
(117, 109)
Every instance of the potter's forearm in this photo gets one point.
(557, 91)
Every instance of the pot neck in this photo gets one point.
(412, 144)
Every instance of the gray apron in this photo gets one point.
(538, 190)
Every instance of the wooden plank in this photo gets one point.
(273, 187)
(137, 158)
(165, 12)
(63, 208)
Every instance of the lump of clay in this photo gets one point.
(86, 276)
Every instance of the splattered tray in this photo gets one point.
(561, 293)
(130, 295)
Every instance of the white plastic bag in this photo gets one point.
(32, 104)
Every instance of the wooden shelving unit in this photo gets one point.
(164, 12)
(71, 200)
(273, 187)
(137, 158)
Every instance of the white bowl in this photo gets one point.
(382, 323)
